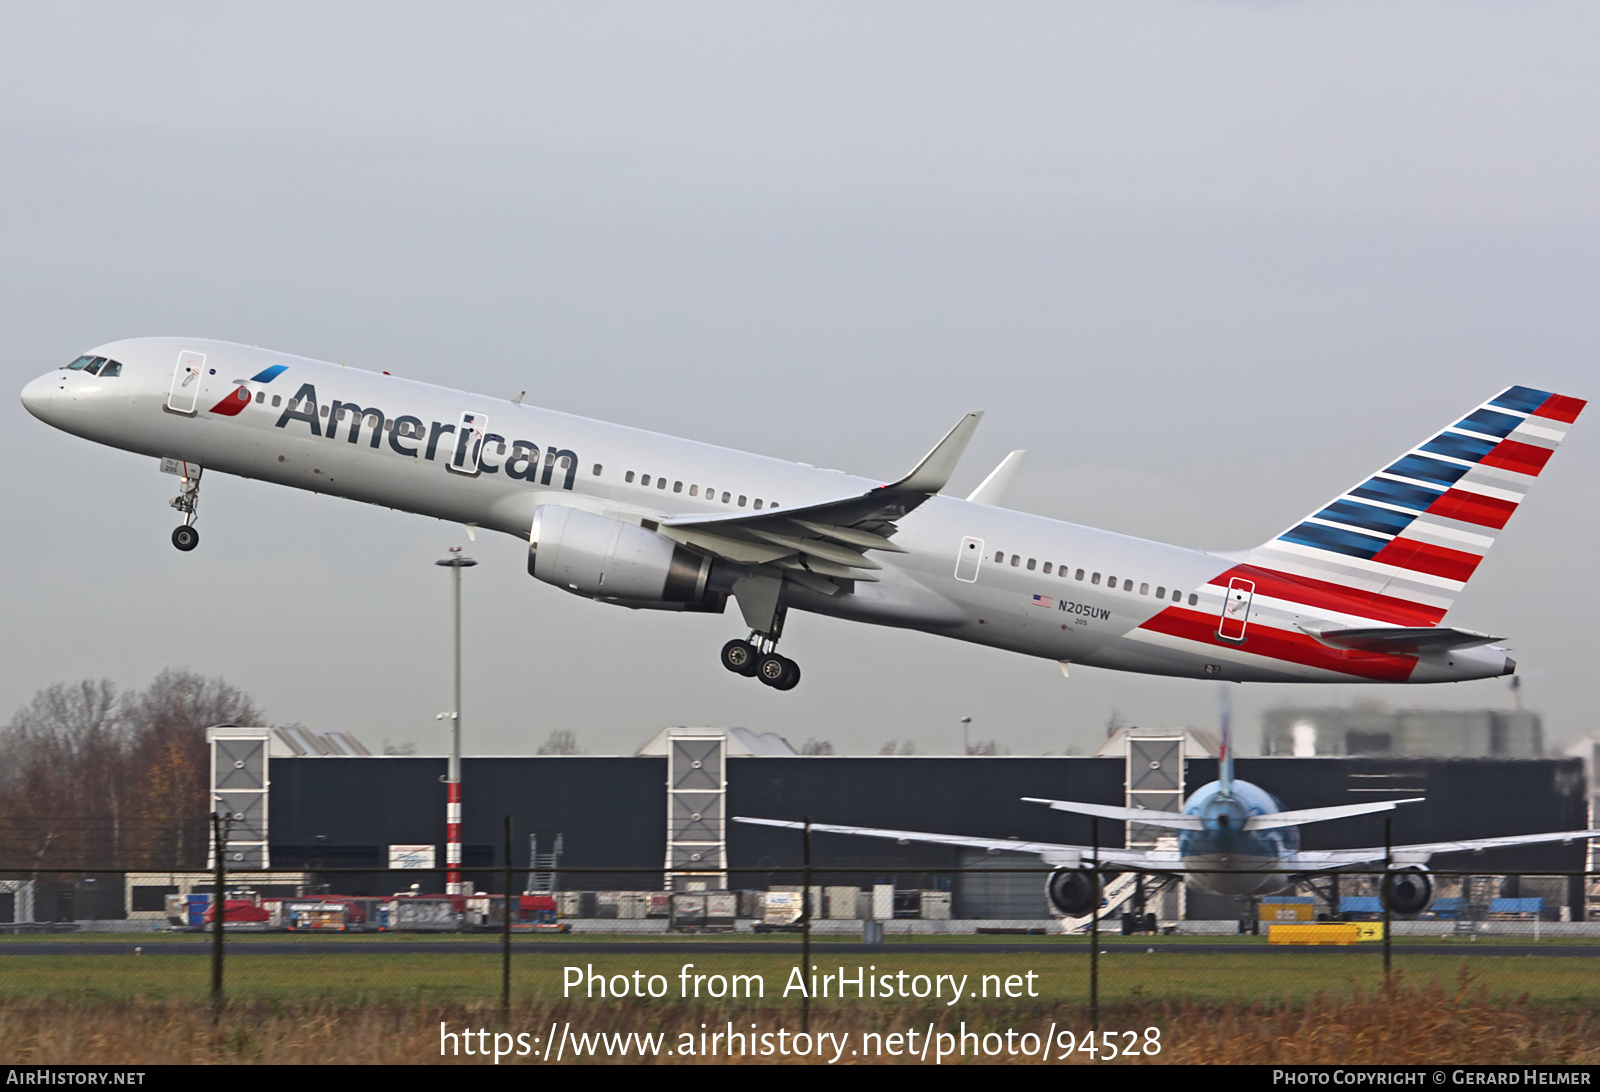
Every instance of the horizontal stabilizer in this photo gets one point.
(1320, 815)
(1402, 638)
(993, 489)
(1124, 815)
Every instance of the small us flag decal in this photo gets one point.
(1043, 601)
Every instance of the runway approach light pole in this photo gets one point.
(452, 807)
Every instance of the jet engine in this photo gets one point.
(619, 562)
(1073, 891)
(1408, 890)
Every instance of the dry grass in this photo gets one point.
(1436, 1024)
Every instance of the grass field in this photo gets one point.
(306, 1004)
(1127, 973)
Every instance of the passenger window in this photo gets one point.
(1161, 593)
(1031, 563)
(999, 555)
(566, 460)
(111, 369)
(725, 496)
(1095, 579)
(597, 470)
(694, 490)
(644, 479)
(1047, 568)
(261, 397)
(1062, 573)
(628, 477)
(1080, 575)
(1193, 599)
(677, 487)
(661, 483)
(324, 411)
(276, 399)
(741, 500)
(758, 504)
(1144, 589)
(1016, 559)
(501, 451)
(774, 504)
(1111, 582)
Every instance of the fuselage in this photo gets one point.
(1042, 587)
(1226, 858)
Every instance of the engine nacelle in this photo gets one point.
(605, 558)
(1407, 890)
(1075, 892)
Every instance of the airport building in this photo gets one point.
(661, 818)
(1363, 729)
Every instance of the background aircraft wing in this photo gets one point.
(1311, 860)
(1054, 855)
(817, 542)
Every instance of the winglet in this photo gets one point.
(935, 469)
(993, 489)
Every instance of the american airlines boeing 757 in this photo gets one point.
(1354, 592)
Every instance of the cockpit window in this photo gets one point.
(113, 368)
(79, 364)
(93, 367)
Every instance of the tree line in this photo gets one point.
(91, 776)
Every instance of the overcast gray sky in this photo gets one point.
(1209, 262)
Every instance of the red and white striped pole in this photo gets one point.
(452, 808)
(452, 838)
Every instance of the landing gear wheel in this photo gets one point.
(739, 657)
(186, 538)
(778, 672)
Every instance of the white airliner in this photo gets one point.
(1354, 592)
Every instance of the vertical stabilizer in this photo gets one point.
(1400, 546)
(1225, 759)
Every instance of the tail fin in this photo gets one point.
(1225, 759)
(1401, 545)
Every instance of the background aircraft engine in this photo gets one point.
(605, 558)
(1408, 890)
(1073, 891)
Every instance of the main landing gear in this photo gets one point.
(186, 537)
(758, 657)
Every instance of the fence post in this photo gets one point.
(218, 913)
(1383, 892)
(805, 934)
(1094, 934)
(505, 939)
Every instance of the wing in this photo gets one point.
(816, 544)
(1056, 856)
(1312, 860)
(1178, 821)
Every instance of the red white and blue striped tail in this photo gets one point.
(1402, 544)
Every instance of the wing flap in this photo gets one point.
(825, 539)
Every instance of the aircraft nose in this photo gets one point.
(36, 396)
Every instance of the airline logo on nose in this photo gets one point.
(237, 399)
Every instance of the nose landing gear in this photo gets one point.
(186, 537)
